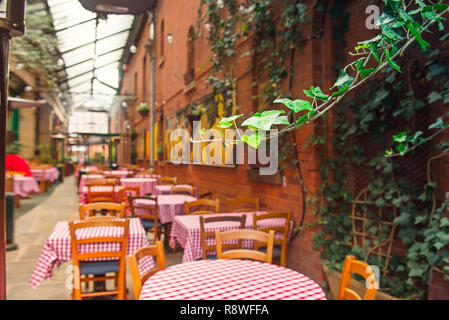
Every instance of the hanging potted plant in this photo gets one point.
(143, 109)
(196, 111)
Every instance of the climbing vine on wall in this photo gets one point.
(394, 103)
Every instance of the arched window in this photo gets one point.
(190, 74)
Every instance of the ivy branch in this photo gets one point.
(400, 27)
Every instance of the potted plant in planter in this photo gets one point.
(143, 109)
(196, 111)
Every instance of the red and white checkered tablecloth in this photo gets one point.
(169, 206)
(187, 233)
(51, 174)
(230, 280)
(164, 189)
(118, 173)
(146, 185)
(58, 250)
(24, 186)
(83, 195)
(85, 178)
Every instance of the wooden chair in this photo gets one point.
(127, 192)
(182, 190)
(101, 196)
(354, 266)
(249, 204)
(166, 180)
(211, 234)
(110, 208)
(249, 234)
(280, 245)
(149, 219)
(157, 250)
(99, 269)
(212, 204)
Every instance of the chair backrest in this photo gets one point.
(127, 192)
(213, 206)
(119, 241)
(243, 204)
(102, 182)
(101, 196)
(255, 235)
(167, 180)
(157, 250)
(182, 190)
(211, 234)
(150, 210)
(351, 266)
(284, 229)
(110, 208)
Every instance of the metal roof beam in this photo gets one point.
(93, 42)
(87, 60)
(92, 70)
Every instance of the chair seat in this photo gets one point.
(277, 251)
(99, 267)
(212, 257)
(149, 224)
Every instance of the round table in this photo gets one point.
(146, 185)
(230, 280)
(164, 189)
(169, 206)
(24, 186)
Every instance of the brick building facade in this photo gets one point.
(175, 90)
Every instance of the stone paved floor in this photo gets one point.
(32, 230)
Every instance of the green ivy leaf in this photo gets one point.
(412, 27)
(393, 64)
(253, 140)
(296, 105)
(316, 93)
(262, 121)
(388, 32)
(366, 72)
(401, 137)
(281, 120)
(343, 80)
(385, 18)
(402, 149)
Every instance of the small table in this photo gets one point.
(169, 206)
(84, 191)
(85, 178)
(187, 233)
(58, 250)
(24, 186)
(164, 189)
(230, 280)
(118, 173)
(50, 174)
(146, 185)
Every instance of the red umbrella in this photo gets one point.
(15, 162)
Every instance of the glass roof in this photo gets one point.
(91, 49)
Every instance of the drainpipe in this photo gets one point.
(152, 49)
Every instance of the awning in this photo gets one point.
(17, 103)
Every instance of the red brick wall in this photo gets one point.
(313, 66)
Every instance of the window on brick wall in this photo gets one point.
(189, 76)
(144, 82)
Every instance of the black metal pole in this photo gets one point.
(4, 57)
